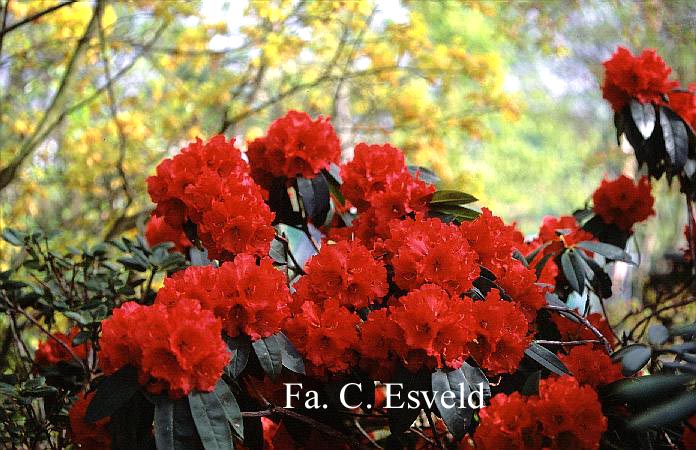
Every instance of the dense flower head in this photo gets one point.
(247, 297)
(208, 184)
(591, 366)
(563, 416)
(177, 348)
(567, 226)
(346, 271)
(370, 172)
(50, 352)
(158, 231)
(426, 250)
(326, 334)
(520, 284)
(90, 436)
(502, 334)
(295, 145)
(434, 322)
(492, 240)
(684, 104)
(644, 77)
(381, 341)
(623, 203)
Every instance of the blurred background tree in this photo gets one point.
(502, 99)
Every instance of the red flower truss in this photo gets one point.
(177, 349)
(624, 203)
(51, 352)
(644, 77)
(295, 145)
(90, 436)
(684, 104)
(158, 231)
(591, 366)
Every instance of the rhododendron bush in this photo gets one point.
(270, 281)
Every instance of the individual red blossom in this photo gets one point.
(435, 322)
(502, 334)
(644, 77)
(158, 231)
(177, 348)
(50, 352)
(346, 271)
(684, 104)
(492, 240)
(368, 172)
(564, 416)
(326, 335)
(571, 330)
(208, 185)
(567, 226)
(295, 145)
(591, 366)
(89, 436)
(247, 297)
(623, 203)
(430, 251)
(381, 340)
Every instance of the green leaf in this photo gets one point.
(649, 388)
(607, 250)
(424, 174)
(643, 115)
(475, 376)
(230, 407)
(569, 272)
(13, 237)
(675, 136)
(634, 357)
(113, 392)
(452, 198)
(291, 357)
(133, 264)
(531, 384)
(456, 418)
(683, 330)
(199, 257)
(401, 419)
(164, 424)
(211, 421)
(270, 353)
(546, 358)
(658, 334)
(240, 347)
(78, 317)
(671, 411)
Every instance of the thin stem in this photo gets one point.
(585, 322)
(436, 437)
(34, 17)
(580, 342)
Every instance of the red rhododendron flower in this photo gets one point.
(248, 297)
(346, 271)
(623, 203)
(51, 352)
(158, 231)
(381, 341)
(492, 240)
(369, 172)
(501, 335)
(563, 416)
(644, 77)
(208, 185)
(435, 322)
(431, 251)
(90, 436)
(326, 335)
(295, 145)
(591, 366)
(689, 436)
(684, 104)
(179, 348)
(519, 283)
(567, 226)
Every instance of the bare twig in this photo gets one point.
(584, 321)
(581, 342)
(34, 17)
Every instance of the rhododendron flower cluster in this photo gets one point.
(346, 271)
(431, 251)
(50, 352)
(591, 366)
(158, 231)
(207, 184)
(176, 349)
(574, 331)
(295, 145)
(684, 104)
(564, 415)
(248, 297)
(623, 203)
(90, 436)
(644, 77)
